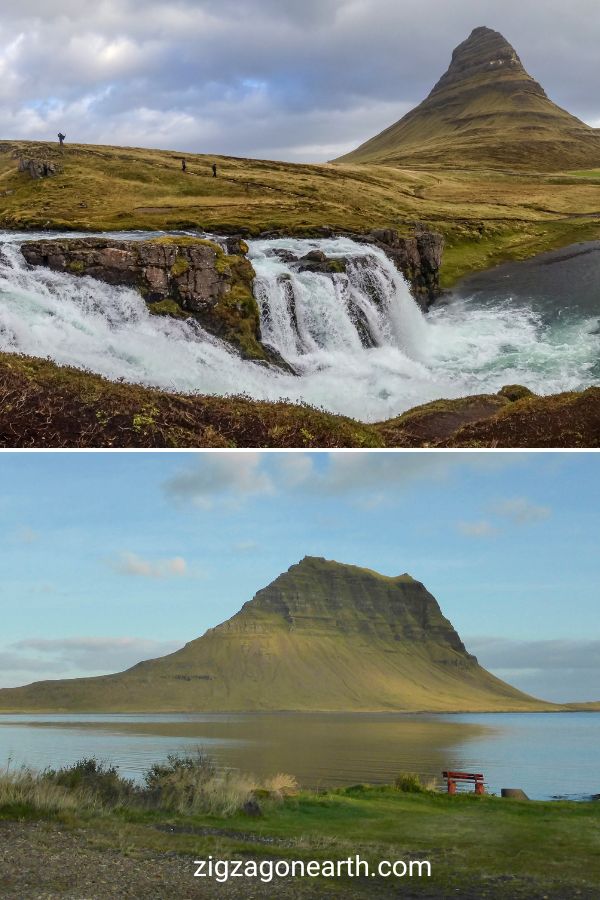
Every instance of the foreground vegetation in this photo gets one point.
(487, 216)
(45, 405)
(477, 846)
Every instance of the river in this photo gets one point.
(359, 343)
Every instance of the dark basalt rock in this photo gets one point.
(285, 256)
(317, 261)
(419, 258)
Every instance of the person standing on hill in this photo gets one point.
(61, 138)
(214, 168)
(183, 165)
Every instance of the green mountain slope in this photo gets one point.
(485, 110)
(322, 636)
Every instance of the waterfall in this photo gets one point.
(357, 340)
(304, 314)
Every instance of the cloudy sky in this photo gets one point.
(287, 79)
(107, 559)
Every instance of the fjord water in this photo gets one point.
(358, 342)
(545, 754)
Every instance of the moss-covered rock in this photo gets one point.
(515, 392)
(177, 275)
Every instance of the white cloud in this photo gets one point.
(482, 528)
(295, 469)
(348, 473)
(372, 479)
(245, 546)
(132, 564)
(235, 476)
(521, 511)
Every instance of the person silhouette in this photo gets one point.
(61, 138)
(183, 165)
(214, 168)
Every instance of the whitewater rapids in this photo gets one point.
(358, 342)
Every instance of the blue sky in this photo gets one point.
(304, 80)
(110, 558)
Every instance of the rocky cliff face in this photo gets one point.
(176, 276)
(485, 53)
(419, 258)
(319, 596)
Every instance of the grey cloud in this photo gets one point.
(236, 476)
(370, 477)
(41, 658)
(348, 473)
(561, 670)
(263, 77)
(132, 564)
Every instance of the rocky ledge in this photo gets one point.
(190, 277)
(418, 256)
(177, 276)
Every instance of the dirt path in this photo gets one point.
(46, 861)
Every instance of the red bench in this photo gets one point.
(453, 777)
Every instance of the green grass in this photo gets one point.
(486, 215)
(473, 843)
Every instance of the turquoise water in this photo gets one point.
(545, 754)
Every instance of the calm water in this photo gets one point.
(545, 754)
(559, 286)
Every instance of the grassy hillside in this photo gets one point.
(486, 110)
(322, 636)
(486, 216)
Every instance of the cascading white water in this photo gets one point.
(358, 341)
(307, 313)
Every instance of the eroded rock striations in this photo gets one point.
(176, 276)
(321, 636)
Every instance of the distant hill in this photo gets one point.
(486, 110)
(322, 636)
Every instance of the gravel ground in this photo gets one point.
(45, 861)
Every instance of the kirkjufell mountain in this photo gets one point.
(322, 636)
(486, 110)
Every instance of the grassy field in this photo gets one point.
(486, 215)
(477, 846)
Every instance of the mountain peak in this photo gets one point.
(485, 110)
(483, 55)
(322, 636)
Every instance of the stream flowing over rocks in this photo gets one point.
(328, 321)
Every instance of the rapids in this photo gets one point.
(358, 342)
